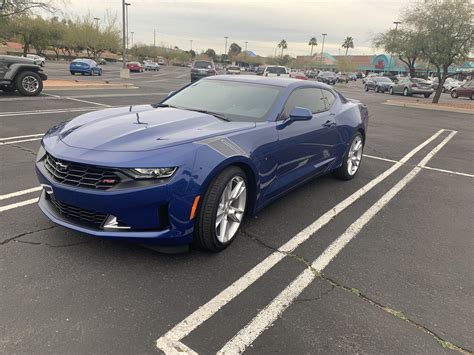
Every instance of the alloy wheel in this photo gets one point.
(355, 155)
(30, 83)
(231, 208)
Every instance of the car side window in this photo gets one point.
(310, 98)
(329, 98)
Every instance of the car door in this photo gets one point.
(304, 147)
(398, 87)
(466, 89)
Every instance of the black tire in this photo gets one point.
(390, 91)
(205, 229)
(454, 94)
(405, 92)
(72, 73)
(427, 95)
(342, 172)
(377, 89)
(25, 76)
(366, 88)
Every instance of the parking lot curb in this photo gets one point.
(74, 84)
(428, 107)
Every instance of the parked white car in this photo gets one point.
(39, 60)
(276, 70)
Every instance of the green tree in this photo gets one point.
(447, 33)
(211, 53)
(312, 42)
(31, 32)
(283, 45)
(403, 43)
(10, 8)
(234, 50)
(348, 43)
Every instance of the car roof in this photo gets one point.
(274, 81)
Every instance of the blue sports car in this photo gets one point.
(189, 168)
(85, 66)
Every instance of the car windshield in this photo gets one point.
(237, 101)
(134, 63)
(419, 81)
(276, 70)
(234, 68)
(202, 65)
(384, 80)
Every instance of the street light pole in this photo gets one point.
(225, 48)
(191, 42)
(391, 56)
(127, 4)
(246, 45)
(124, 73)
(322, 49)
(132, 37)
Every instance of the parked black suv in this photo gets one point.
(22, 74)
(201, 69)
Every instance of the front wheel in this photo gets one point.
(366, 88)
(29, 83)
(352, 159)
(427, 95)
(454, 94)
(377, 89)
(222, 210)
(390, 91)
(405, 92)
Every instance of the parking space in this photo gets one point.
(377, 263)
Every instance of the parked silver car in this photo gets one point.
(152, 66)
(411, 86)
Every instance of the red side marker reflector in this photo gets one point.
(193, 210)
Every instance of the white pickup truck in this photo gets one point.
(276, 70)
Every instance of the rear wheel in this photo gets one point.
(454, 94)
(377, 89)
(390, 91)
(427, 95)
(352, 158)
(222, 210)
(29, 83)
(366, 88)
(405, 92)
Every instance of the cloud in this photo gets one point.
(262, 23)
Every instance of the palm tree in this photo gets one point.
(312, 42)
(283, 45)
(348, 43)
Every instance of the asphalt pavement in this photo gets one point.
(383, 263)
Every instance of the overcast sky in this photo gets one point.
(263, 23)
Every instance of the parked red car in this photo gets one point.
(467, 90)
(135, 67)
(298, 75)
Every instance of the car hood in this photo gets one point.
(141, 128)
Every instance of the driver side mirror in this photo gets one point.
(300, 114)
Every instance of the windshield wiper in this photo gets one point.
(215, 114)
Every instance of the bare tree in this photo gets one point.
(18, 7)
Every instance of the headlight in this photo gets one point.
(41, 153)
(153, 173)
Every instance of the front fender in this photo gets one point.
(15, 68)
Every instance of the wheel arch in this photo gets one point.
(250, 171)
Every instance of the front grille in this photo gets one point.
(80, 215)
(80, 175)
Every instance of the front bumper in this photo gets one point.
(151, 215)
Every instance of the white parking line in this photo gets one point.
(171, 341)
(447, 171)
(20, 141)
(19, 193)
(247, 335)
(85, 101)
(18, 204)
(18, 137)
(379, 158)
(51, 111)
